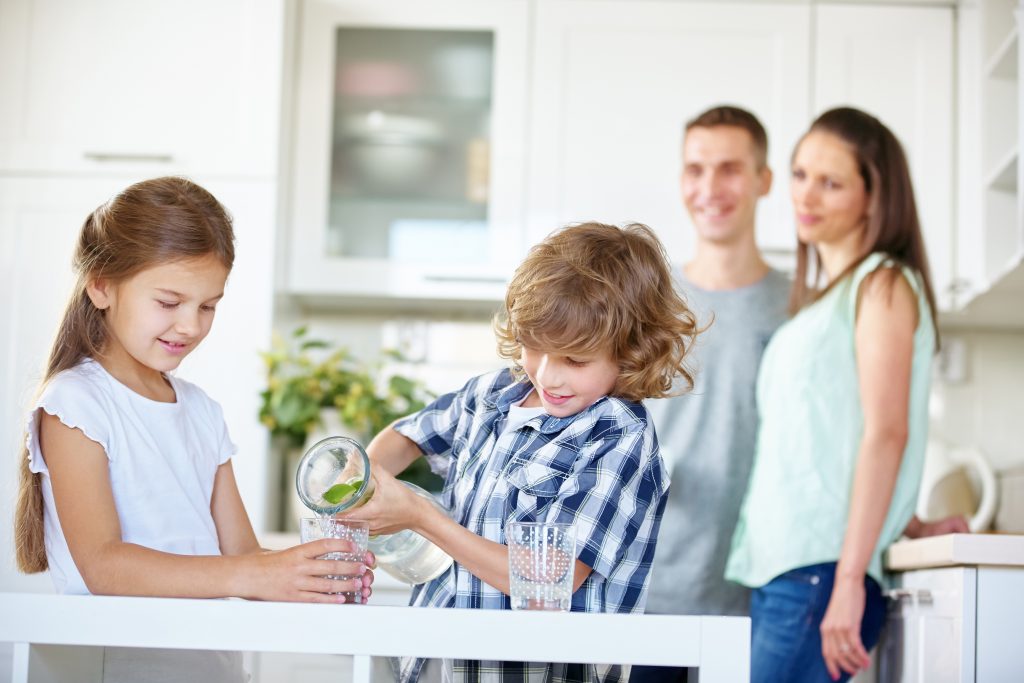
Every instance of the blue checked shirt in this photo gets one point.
(599, 470)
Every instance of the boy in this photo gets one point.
(592, 325)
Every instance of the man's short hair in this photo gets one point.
(727, 115)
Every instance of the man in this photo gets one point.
(707, 437)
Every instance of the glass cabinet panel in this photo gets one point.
(407, 169)
(410, 150)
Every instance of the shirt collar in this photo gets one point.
(502, 400)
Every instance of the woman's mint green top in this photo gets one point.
(808, 397)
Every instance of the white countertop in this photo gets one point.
(719, 646)
(956, 549)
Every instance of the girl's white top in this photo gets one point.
(163, 458)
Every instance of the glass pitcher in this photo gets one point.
(334, 476)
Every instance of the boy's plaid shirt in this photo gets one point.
(599, 470)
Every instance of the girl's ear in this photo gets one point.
(99, 291)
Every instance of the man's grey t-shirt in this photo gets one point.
(708, 438)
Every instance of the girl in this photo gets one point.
(842, 396)
(126, 481)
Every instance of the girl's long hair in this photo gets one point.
(893, 226)
(150, 223)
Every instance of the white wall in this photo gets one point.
(986, 408)
(444, 351)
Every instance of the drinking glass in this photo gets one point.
(541, 563)
(354, 531)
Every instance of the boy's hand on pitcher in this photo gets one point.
(393, 506)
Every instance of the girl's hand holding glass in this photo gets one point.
(298, 575)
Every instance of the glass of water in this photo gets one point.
(541, 564)
(354, 531)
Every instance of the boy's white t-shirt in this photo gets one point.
(163, 460)
(518, 415)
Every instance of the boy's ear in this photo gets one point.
(99, 291)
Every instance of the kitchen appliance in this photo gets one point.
(957, 481)
(1010, 516)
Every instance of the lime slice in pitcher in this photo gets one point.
(340, 492)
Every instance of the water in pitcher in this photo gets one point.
(409, 557)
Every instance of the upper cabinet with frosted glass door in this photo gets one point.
(408, 130)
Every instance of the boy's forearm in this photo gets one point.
(392, 451)
(484, 559)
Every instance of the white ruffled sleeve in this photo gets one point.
(76, 403)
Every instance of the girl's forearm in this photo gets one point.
(128, 569)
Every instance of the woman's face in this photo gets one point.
(828, 193)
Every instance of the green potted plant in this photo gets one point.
(312, 386)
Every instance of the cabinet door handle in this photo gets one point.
(898, 594)
(922, 596)
(128, 157)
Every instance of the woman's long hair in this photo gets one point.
(150, 223)
(893, 226)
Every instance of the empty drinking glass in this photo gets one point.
(541, 562)
(354, 531)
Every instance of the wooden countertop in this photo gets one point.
(956, 549)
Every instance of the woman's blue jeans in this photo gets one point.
(786, 614)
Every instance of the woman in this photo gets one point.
(842, 395)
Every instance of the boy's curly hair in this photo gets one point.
(590, 288)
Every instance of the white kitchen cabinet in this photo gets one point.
(930, 632)
(1001, 135)
(897, 64)
(140, 86)
(990, 238)
(408, 149)
(958, 624)
(610, 85)
(614, 83)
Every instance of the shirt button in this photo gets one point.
(815, 580)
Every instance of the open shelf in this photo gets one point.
(1004, 173)
(1003, 62)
